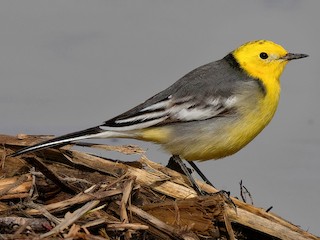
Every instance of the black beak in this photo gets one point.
(292, 56)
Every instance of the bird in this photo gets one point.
(210, 113)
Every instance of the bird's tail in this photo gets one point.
(94, 132)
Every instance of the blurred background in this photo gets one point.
(70, 65)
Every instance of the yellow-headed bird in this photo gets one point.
(211, 112)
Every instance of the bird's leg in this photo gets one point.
(226, 194)
(194, 185)
(184, 168)
(204, 178)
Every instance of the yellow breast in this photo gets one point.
(254, 121)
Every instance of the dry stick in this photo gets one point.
(37, 163)
(71, 218)
(129, 226)
(124, 201)
(125, 149)
(263, 225)
(93, 223)
(228, 226)
(114, 225)
(9, 184)
(15, 196)
(155, 222)
(97, 163)
(74, 229)
(243, 191)
(33, 193)
(119, 179)
(3, 157)
(43, 211)
(158, 184)
(248, 215)
(78, 199)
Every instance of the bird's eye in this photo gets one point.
(263, 55)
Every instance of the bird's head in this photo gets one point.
(264, 59)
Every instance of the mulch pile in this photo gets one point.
(69, 194)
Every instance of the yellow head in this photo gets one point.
(263, 59)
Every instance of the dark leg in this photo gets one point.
(204, 178)
(194, 185)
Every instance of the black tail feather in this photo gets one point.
(59, 141)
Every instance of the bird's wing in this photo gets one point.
(206, 92)
(172, 110)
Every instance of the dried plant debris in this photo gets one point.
(69, 194)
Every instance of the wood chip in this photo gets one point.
(103, 198)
